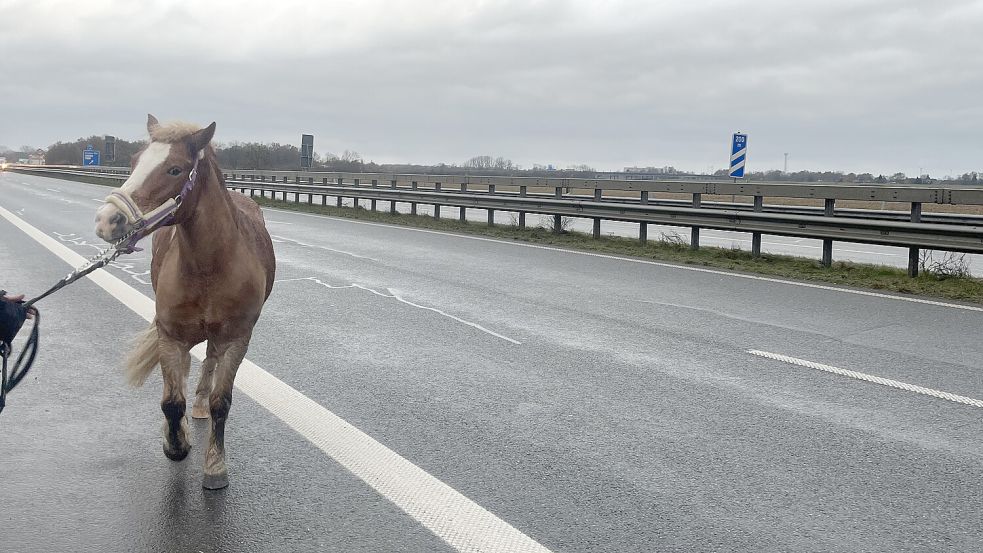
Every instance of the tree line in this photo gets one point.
(285, 157)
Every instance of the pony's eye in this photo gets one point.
(174, 171)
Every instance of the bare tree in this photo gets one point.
(351, 156)
(479, 162)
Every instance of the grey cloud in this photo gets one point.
(879, 86)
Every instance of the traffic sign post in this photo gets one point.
(306, 151)
(90, 156)
(738, 155)
(110, 148)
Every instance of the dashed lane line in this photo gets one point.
(868, 378)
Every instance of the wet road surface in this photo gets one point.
(589, 402)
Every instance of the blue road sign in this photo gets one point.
(90, 156)
(738, 155)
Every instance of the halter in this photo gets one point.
(145, 223)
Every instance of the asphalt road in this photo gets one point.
(592, 403)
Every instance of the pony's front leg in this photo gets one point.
(220, 402)
(175, 363)
(201, 408)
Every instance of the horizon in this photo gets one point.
(459, 163)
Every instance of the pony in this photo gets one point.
(212, 270)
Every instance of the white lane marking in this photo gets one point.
(868, 377)
(646, 262)
(462, 523)
(395, 296)
(98, 201)
(53, 190)
(306, 245)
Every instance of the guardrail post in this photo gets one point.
(375, 184)
(597, 220)
(694, 234)
(491, 212)
(414, 186)
(392, 204)
(558, 219)
(522, 214)
(340, 198)
(463, 215)
(759, 202)
(355, 198)
(827, 260)
(643, 228)
(913, 253)
(436, 207)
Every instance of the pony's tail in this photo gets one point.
(144, 356)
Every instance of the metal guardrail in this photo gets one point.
(961, 233)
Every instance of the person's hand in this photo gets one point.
(20, 299)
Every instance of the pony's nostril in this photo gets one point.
(118, 219)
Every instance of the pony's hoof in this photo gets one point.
(215, 481)
(176, 453)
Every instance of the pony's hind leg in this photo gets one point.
(220, 402)
(175, 363)
(200, 409)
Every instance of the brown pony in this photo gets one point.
(212, 271)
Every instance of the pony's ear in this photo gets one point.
(201, 138)
(152, 123)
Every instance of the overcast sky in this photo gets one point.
(851, 85)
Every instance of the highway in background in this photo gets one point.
(589, 402)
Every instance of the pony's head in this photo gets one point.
(161, 177)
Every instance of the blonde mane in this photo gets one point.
(173, 131)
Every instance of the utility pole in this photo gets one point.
(785, 172)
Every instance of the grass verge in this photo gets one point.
(860, 275)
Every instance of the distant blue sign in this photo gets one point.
(738, 155)
(90, 156)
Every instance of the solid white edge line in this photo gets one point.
(462, 523)
(647, 262)
(867, 377)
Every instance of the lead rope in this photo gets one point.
(101, 259)
(10, 380)
(162, 216)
